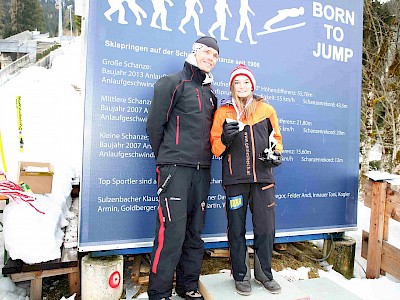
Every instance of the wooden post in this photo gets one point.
(36, 278)
(74, 283)
(385, 235)
(344, 254)
(376, 228)
(36, 288)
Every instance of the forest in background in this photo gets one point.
(380, 101)
(20, 15)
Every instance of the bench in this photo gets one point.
(18, 271)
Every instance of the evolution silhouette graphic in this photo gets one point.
(194, 8)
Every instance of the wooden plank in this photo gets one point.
(143, 280)
(218, 252)
(392, 207)
(47, 265)
(376, 229)
(385, 235)
(31, 268)
(390, 262)
(145, 265)
(296, 253)
(306, 248)
(135, 270)
(18, 277)
(12, 266)
(36, 289)
(24, 276)
(368, 193)
(280, 247)
(364, 244)
(74, 283)
(36, 278)
(55, 272)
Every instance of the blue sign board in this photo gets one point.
(306, 58)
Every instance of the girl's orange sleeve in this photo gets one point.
(217, 147)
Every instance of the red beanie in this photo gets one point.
(243, 70)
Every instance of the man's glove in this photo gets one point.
(271, 160)
(230, 131)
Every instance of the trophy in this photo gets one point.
(268, 153)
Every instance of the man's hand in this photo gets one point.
(230, 131)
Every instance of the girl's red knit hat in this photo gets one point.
(242, 70)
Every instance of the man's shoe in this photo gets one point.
(243, 287)
(195, 294)
(271, 285)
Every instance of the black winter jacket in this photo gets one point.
(180, 118)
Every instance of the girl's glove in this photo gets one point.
(271, 160)
(230, 131)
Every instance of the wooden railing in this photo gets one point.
(385, 204)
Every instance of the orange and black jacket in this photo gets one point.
(240, 163)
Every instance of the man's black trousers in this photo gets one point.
(179, 222)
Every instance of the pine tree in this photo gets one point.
(1, 18)
(25, 15)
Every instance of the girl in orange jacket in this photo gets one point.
(246, 134)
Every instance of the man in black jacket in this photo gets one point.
(178, 125)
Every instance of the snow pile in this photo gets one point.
(37, 237)
(71, 231)
(9, 291)
(52, 129)
(368, 289)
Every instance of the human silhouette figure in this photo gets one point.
(191, 13)
(282, 15)
(160, 12)
(245, 21)
(116, 5)
(137, 11)
(220, 7)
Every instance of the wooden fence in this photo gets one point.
(385, 204)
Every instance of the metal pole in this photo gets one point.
(70, 17)
(60, 19)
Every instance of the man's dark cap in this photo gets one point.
(209, 42)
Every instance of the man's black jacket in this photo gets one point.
(180, 118)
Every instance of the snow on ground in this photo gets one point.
(52, 118)
(52, 127)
